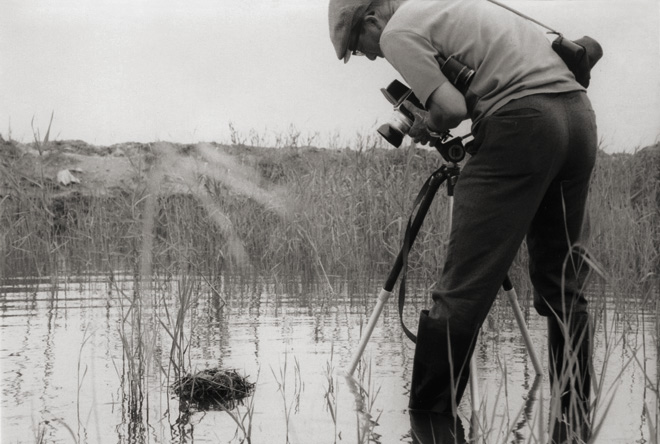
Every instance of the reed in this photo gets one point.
(364, 391)
(332, 391)
(292, 405)
(80, 379)
(243, 420)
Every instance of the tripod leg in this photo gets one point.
(383, 297)
(475, 399)
(513, 300)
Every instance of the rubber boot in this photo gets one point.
(570, 378)
(441, 366)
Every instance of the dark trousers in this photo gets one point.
(528, 177)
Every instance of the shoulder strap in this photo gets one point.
(460, 75)
(515, 11)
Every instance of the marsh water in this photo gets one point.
(66, 370)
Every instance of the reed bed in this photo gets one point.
(344, 213)
(301, 211)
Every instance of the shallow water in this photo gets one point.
(64, 372)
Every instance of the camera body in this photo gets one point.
(402, 120)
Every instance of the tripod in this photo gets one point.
(453, 152)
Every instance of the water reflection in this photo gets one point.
(65, 367)
(435, 428)
(526, 420)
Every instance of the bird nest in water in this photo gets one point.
(213, 388)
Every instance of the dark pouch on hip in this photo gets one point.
(579, 55)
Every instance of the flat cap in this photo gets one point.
(343, 16)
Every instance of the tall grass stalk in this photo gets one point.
(652, 424)
(332, 391)
(281, 380)
(243, 420)
(365, 394)
(80, 377)
(174, 325)
(40, 431)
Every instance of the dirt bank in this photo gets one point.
(91, 169)
(95, 170)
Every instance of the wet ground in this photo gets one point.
(67, 363)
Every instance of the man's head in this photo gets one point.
(356, 26)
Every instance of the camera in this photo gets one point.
(460, 75)
(402, 120)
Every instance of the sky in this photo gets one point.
(116, 71)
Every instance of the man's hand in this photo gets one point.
(419, 131)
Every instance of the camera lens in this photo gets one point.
(401, 122)
(391, 134)
(395, 130)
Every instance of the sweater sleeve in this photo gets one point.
(413, 56)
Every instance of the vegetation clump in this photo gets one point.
(213, 388)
